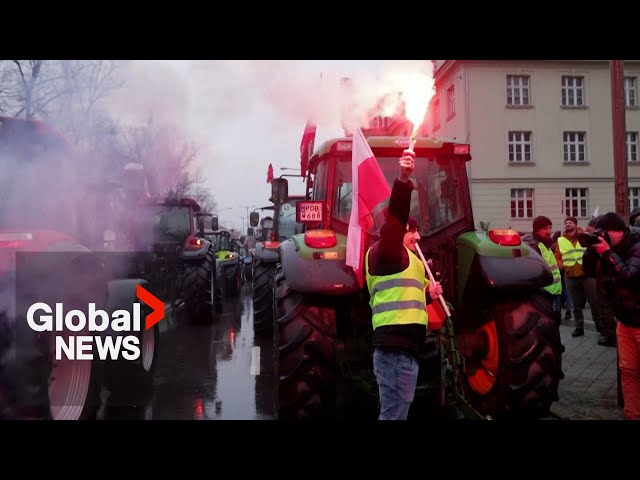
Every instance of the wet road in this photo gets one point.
(210, 372)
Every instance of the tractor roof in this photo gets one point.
(343, 144)
(12, 126)
(173, 202)
(383, 142)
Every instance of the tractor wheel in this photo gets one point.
(304, 356)
(263, 282)
(198, 287)
(37, 386)
(519, 369)
(232, 280)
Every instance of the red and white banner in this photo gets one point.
(369, 188)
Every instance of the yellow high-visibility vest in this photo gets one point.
(570, 254)
(556, 287)
(398, 299)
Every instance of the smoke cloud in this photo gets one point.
(244, 115)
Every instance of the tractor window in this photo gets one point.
(433, 201)
(438, 185)
(287, 226)
(165, 224)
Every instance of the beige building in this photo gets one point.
(540, 135)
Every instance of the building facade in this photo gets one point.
(540, 134)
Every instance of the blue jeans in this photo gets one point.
(396, 374)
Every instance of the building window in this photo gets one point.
(451, 102)
(436, 115)
(517, 90)
(519, 147)
(634, 197)
(572, 91)
(575, 202)
(632, 146)
(630, 92)
(574, 146)
(522, 203)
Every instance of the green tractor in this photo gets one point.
(265, 257)
(227, 262)
(500, 353)
(177, 259)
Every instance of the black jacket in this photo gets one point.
(620, 276)
(387, 257)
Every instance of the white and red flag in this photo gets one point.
(369, 188)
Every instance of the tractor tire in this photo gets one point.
(524, 358)
(263, 284)
(232, 280)
(304, 356)
(131, 381)
(198, 290)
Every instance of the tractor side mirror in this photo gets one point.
(201, 226)
(279, 190)
(254, 219)
(214, 223)
(250, 232)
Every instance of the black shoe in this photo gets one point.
(567, 316)
(607, 342)
(578, 332)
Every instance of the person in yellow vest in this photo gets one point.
(540, 240)
(582, 289)
(397, 280)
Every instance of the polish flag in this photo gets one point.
(270, 173)
(306, 146)
(369, 188)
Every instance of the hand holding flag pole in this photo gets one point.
(432, 280)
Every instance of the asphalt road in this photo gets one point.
(209, 372)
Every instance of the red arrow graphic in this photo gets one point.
(155, 303)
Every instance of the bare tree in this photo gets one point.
(55, 88)
(169, 161)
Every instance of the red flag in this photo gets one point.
(369, 187)
(306, 146)
(270, 174)
(436, 315)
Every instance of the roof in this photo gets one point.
(383, 142)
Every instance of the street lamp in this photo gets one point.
(247, 207)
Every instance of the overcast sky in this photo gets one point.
(247, 114)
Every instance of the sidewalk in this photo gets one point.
(589, 390)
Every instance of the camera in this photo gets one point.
(588, 239)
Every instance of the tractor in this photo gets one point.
(265, 257)
(497, 356)
(227, 262)
(50, 211)
(168, 237)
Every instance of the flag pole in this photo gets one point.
(432, 279)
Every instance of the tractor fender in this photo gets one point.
(265, 255)
(488, 272)
(196, 255)
(316, 276)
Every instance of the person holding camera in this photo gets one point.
(616, 247)
(581, 288)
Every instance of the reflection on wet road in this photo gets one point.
(211, 372)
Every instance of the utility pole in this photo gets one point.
(621, 182)
(247, 207)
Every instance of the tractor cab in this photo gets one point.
(165, 223)
(440, 200)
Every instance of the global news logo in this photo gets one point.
(119, 337)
